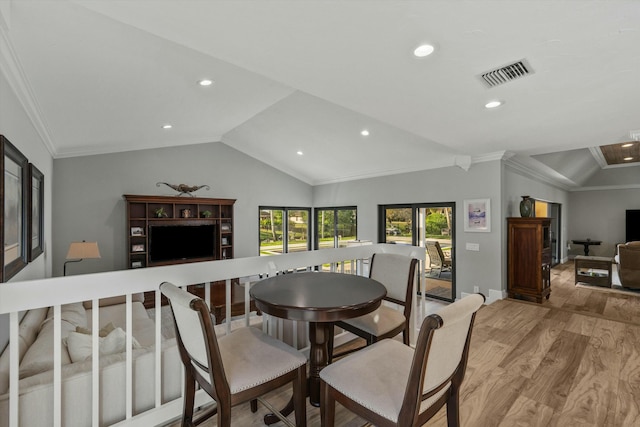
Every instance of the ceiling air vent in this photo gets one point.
(506, 74)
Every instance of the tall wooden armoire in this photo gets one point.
(529, 258)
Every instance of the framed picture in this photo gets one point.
(137, 248)
(225, 241)
(137, 231)
(477, 215)
(13, 232)
(36, 212)
(225, 227)
(136, 264)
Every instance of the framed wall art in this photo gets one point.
(36, 212)
(477, 215)
(14, 206)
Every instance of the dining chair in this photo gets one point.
(438, 261)
(234, 368)
(391, 384)
(397, 273)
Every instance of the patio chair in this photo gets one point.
(392, 385)
(438, 262)
(235, 368)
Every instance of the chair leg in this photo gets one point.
(254, 405)
(224, 415)
(330, 345)
(327, 406)
(189, 398)
(300, 396)
(453, 408)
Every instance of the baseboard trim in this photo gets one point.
(494, 295)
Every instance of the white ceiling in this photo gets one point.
(310, 75)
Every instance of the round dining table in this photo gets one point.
(319, 298)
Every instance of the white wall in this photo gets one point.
(88, 190)
(16, 126)
(452, 184)
(600, 215)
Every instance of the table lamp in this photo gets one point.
(79, 251)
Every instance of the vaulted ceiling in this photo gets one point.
(309, 76)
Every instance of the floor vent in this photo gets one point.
(506, 74)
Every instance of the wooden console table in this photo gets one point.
(594, 270)
(586, 243)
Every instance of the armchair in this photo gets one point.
(628, 259)
(438, 262)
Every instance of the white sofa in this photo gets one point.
(36, 366)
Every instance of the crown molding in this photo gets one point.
(608, 187)
(597, 155)
(489, 157)
(515, 164)
(12, 70)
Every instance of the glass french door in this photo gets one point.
(428, 225)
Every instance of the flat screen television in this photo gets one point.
(633, 225)
(181, 242)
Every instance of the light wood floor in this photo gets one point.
(572, 361)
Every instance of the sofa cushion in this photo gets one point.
(27, 333)
(80, 345)
(39, 356)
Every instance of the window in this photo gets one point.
(284, 230)
(335, 226)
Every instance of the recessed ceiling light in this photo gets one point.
(364, 132)
(299, 153)
(628, 158)
(628, 144)
(493, 104)
(167, 126)
(205, 82)
(423, 50)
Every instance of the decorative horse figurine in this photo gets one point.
(183, 188)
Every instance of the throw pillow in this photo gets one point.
(79, 344)
(106, 330)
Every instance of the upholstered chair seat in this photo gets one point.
(251, 358)
(380, 322)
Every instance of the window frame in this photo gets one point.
(285, 226)
(335, 209)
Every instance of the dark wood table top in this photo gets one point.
(318, 296)
(587, 242)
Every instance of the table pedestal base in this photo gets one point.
(319, 333)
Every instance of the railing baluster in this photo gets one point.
(158, 348)
(95, 363)
(14, 360)
(57, 366)
(129, 355)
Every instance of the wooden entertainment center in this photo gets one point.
(164, 213)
